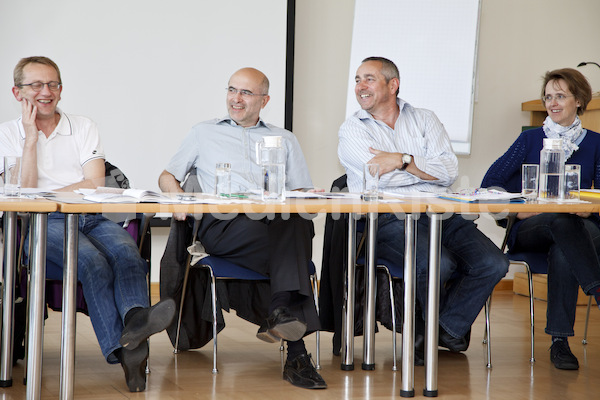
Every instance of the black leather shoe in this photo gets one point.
(453, 344)
(134, 365)
(301, 372)
(146, 322)
(562, 357)
(263, 334)
(281, 325)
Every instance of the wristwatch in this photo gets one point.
(406, 160)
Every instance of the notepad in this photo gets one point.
(114, 195)
(484, 196)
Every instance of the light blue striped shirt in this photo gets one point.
(417, 132)
(222, 140)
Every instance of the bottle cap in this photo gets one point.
(272, 141)
(553, 144)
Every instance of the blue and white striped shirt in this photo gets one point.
(417, 132)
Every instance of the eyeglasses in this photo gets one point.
(559, 98)
(231, 91)
(38, 86)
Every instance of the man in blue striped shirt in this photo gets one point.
(414, 154)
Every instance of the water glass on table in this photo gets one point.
(529, 181)
(572, 181)
(12, 176)
(370, 182)
(223, 180)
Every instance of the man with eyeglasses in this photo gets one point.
(62, 152)
(273, 246)
(414, 154)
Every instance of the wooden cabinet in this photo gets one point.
(590, 118)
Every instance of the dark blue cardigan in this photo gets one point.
(505, 172)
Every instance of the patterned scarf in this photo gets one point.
(569, 134)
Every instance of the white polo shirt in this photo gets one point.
(62, 155)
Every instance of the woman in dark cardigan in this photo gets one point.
(572, 241)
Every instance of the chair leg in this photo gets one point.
(213, 294)
(393, 310)
(315, 288)
(531, 313)
(184, 288)
(149, 302)
(587, 320)
(488, 339)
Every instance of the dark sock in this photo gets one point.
(596, 293)
(131, 313)
(280, 299)
(117, 354)
(557, 338)
(296, 349)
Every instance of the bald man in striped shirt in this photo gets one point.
(414, 154)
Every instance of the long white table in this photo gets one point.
(307, 207)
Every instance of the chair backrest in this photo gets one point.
(114, 177)
(190, 183)
(340, 184)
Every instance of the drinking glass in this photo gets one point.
(529, 181)
(370, 182)
(223, 179)
(572, 181)
(12, 176)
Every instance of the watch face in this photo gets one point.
(406, 158)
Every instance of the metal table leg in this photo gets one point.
(433, 303)
(37, 296)
(67, 353)
(371, 294)
(408, 325)
(8, 297)
(348, 307)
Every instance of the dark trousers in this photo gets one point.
(573, 246)
(273, 246)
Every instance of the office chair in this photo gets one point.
(221, 269)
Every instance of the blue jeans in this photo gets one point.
(111, 272)
(573, 246)
(470, 266)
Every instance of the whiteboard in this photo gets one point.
(434, 45)
(145, 70)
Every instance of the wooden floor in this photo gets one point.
(251, 369)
